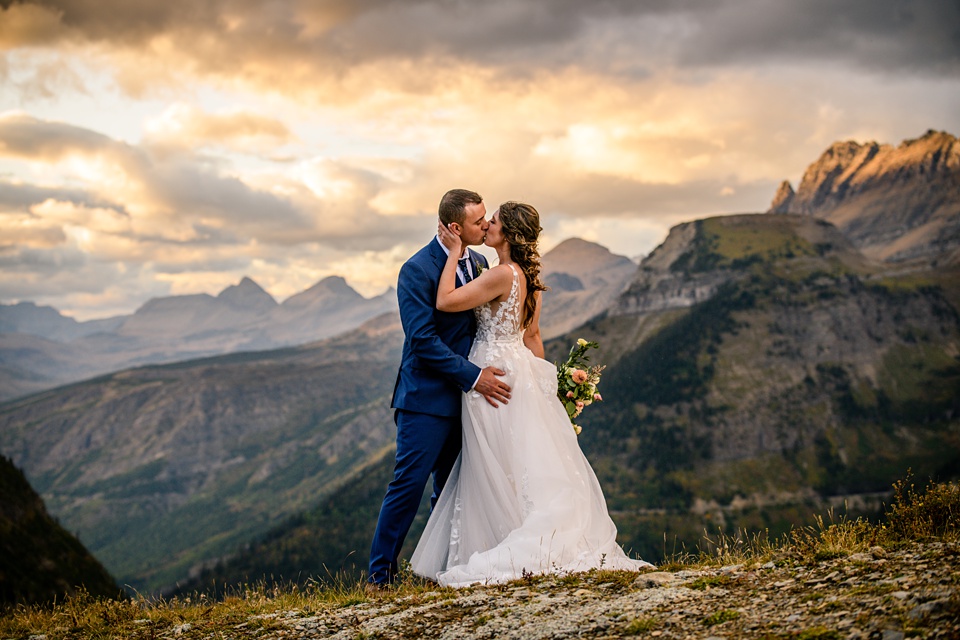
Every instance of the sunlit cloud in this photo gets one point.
(183, 125)
(153, 148)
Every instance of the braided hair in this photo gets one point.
(521, 228)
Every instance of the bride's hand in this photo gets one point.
(449, 239)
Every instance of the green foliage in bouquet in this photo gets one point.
(577, 382)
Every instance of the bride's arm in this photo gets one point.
(531, 336)
(489, 285)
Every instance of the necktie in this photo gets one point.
(465, 269)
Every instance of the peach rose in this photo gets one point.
(597, 397)
(579, 376)
(569, 394)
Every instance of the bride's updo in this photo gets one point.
(521, 229)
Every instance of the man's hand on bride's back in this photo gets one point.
(491, 387)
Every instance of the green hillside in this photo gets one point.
(164, 469)
(39, 560)
(328, 543)
(806, 376)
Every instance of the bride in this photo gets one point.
(522, 498)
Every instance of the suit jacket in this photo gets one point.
(434, 370)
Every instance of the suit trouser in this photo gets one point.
(425, 444)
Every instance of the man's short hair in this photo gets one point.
(454, 203)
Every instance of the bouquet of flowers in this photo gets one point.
(576, 382)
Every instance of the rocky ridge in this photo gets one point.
(893, 203)
(680, 272)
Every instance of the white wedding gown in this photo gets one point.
(522, 497)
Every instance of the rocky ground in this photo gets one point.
(880, 594)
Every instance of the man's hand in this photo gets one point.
(492, 388)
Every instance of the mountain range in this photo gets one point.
(759, 367)
(40, 348)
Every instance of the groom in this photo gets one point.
(434, 373)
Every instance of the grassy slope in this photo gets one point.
(327, 543)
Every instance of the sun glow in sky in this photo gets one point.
(165, 147)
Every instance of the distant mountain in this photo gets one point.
(584, 279)
(40, 562)
(46, 322)
(893, 203)
(40, 348)
(332, 297)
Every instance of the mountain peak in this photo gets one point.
(783, 198)
(576, 255)
(247, 294)
(331, 287)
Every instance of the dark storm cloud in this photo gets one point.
(873, 34)
(220, 35)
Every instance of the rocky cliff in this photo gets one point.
(893, 203)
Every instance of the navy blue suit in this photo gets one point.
(434, 373)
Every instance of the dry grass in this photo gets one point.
(930, 513)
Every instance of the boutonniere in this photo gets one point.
(479, 266)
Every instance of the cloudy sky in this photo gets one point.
(165, 147)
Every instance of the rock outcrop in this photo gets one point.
(893, 203)
(694, 261)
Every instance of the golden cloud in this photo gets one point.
(21, 230)
(183, 125)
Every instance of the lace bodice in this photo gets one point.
(501, 323)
